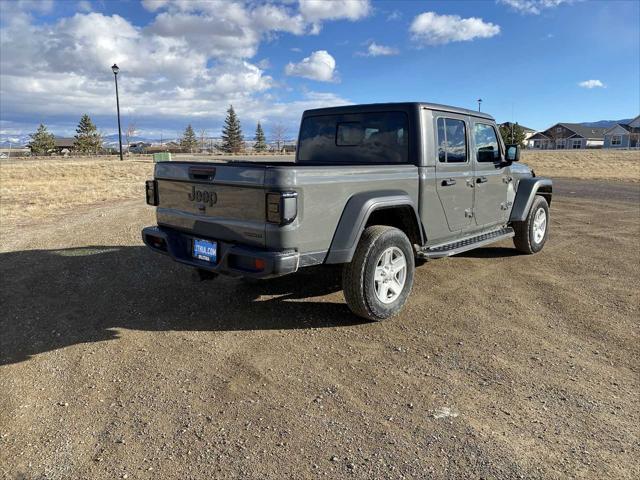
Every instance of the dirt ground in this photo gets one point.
(114, 363)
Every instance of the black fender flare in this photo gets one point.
(528, 188)
(354, 218)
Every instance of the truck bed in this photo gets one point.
(239, 211)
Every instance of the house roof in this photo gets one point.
(526, 129)
(629, 128)
(585, 132)
(539, 136)
(64, 142)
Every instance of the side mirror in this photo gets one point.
(513, 153)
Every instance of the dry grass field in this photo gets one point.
(32, 190)
(586, 164)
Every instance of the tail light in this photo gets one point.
(151, 187)
(282, 207)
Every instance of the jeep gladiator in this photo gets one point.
(377, 188)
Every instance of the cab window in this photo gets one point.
(486, 142)
(355, 138)
(452, 145)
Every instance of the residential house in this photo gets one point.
(62, 146)
(139, 147)
(623, 135)
(569, 136)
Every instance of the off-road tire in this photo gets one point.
(358, 275)
(524, 239)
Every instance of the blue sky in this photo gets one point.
(183, 61)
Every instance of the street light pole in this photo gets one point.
(479, 103)
(115, 71)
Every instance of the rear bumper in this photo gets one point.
(233, 259)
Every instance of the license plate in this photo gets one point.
(205, 250)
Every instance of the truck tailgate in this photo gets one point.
(213, 200)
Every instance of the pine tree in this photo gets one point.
(87, 138)
(261, 142)
(41, 141)
(513, 134)
(232, 139)
(189, 140)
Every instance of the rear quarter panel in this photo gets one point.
(323, 193)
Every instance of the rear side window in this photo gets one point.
(486, 141)
(355, 138)
(452, 144)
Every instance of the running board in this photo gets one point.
(469, 243)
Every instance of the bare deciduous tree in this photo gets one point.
(278, 132)
(130, 133)
(203, 136)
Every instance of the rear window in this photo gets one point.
(355, 138)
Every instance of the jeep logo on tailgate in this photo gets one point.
(202, 196)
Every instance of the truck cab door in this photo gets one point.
(454, 173)
(491, 180)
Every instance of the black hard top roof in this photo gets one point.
(406, 106)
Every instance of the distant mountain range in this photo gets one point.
(605, 123)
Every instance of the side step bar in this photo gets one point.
(469, 243)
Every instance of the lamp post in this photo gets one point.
(115, 71)
(479, 103)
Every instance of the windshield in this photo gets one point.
(354, 138)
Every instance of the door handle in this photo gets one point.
(481, 180)
(448, 182)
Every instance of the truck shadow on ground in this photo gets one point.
(491, 252)
(55, 298)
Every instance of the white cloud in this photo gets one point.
(16, 6)
(434, 29)
(68, 68)
(533, 7)
(395, 15)
(223, 29)
(154, 5)
(316, 11)
(592, 84)
(320, 66)
(375, 50)
(192, 60)
(84, 6)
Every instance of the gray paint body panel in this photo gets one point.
(354, 218)
(323, 194)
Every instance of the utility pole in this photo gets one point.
(479, 103)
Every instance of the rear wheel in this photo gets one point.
(532, 233)
(379, 278)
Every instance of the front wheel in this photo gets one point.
(379, 278)
(532, 233)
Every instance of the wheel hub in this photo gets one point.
(539, 225)
(390, 274)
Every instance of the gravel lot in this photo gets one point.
(115, 364)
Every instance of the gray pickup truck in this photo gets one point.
(377, 188)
